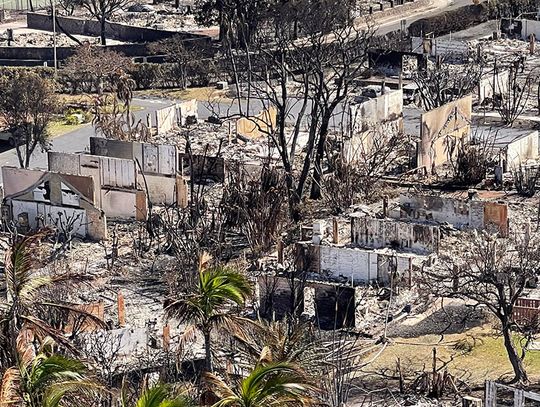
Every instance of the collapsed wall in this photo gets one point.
(462, 214)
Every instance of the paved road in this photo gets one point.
(396, 25)
(76, 140)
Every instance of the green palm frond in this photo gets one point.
(158, 396)
(46, 371)
(221, 284)
(269, 385)
(217, 286)
(81, 388)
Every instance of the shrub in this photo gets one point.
(147, 75)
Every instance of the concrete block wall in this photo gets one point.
(115, 181)
(362, 266)
(380, 233)
(384, 108)
(159, 163)
(358, 266)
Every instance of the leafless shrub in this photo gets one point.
(103, 350)
(494, 272)
(111, 254)
(525, 180)
(472, 161)
(443, 83)
(113, 117)
(358, 163)
(514, 97)
(342, 186)
(254, 204)
(65, 229)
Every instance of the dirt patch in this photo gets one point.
(451, 318)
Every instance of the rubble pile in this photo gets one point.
(218, 140)
(162, 17)
(46, 39)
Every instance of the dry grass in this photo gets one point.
(484, 356)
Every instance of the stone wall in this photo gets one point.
(121, 32)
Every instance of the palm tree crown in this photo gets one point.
(26, 293)
(272, 385)
(158, 396)
(45, 379)
(204, 308)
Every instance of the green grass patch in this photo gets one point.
(59, 128)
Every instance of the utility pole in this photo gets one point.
(54, 34)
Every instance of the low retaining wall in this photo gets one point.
(121, 32)
(47, 53)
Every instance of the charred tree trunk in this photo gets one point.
(520, 375)
(319, 155)
(102, 22)
(207, 350)
(71, 37)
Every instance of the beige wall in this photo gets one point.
(521, 150)
(187, 109)
(441, 130)
(16, 180)
(257, 126)
(120, 204)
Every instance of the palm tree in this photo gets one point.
(45, 379)
(284, 341)
(204, 309)
(158, 396)
(271, 385)
(26, 293)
